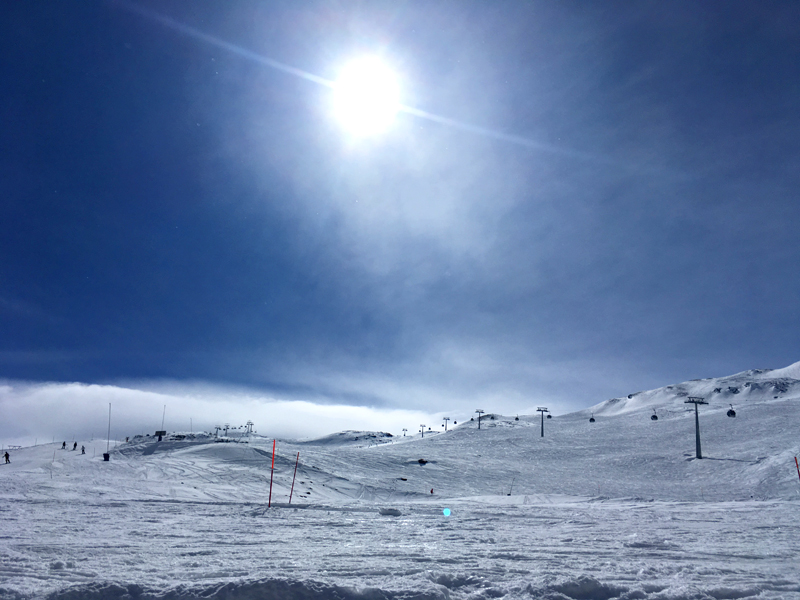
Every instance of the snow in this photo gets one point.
(618, 508)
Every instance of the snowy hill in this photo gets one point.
(615, 508)
(754, 386)
(351, 438)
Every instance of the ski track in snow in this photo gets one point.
(484, 549)
(619, 508)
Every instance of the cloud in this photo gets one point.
(46, 412)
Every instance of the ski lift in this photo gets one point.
(516, 418)
(549, 416)
(591, 419)
(731, 412)
(654, 416)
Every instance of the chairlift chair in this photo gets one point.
(549, 416)
(731, 412)
(591, 419)
(654, 416)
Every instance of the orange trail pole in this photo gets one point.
(796, 465)
(293, 477)
(272, 471)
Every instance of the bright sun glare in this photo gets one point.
(366, 97)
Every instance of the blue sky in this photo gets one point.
(176, 213)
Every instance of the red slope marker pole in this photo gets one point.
(293, 477)
(272, 471)
(796, 465)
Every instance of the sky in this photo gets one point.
(579, 200)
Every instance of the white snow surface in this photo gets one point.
(617, 508)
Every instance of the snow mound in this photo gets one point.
(263, 589)
(445, 587)
(792, 371)
(350, 438)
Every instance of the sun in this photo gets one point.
(366, 97)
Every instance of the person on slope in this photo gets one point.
(74, 446)
(63, 445)
(83, 449)
(8, 459)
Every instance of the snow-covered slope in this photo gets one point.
(754, 386)
(615, 508)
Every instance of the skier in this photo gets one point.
(83, 449)
(8, 460)
(431, 490)
(74, 446)
(63, 445)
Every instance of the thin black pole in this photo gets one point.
(294, 477)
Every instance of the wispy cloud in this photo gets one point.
(49, 412)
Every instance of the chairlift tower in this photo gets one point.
(404, 431)
(480, 411)
(696, 401)
(422, 429)
(542, 410)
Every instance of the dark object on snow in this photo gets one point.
(74, 446)
(8, 459)
(389, 512)
(549, 416)
(431, 490)
(106, 456)
(591, 419)
(63, 445)
(159, 438)
(83, 449)
(731, 412)
(654, 416)
(422, 461)
(516, 418)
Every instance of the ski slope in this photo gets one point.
(617, 508)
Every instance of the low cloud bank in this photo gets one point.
(47, 412)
